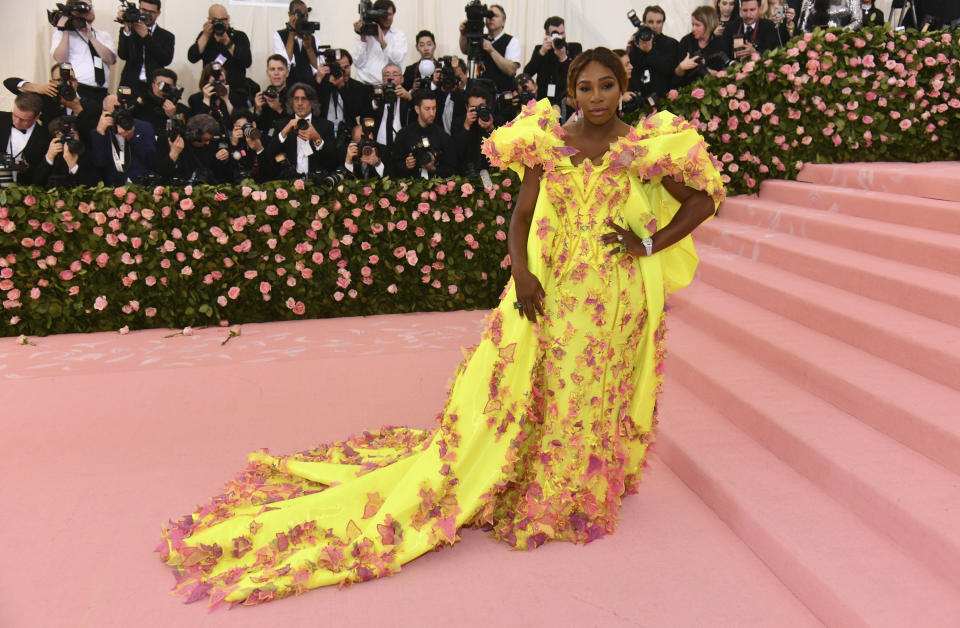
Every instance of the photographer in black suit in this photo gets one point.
(363, 156)
(197, 153)
(298, 48)
(550, 62)
(143, 45)
(246, 147)
(163, 102)
(422, 148)
(470, 131)
(23, 141)
(304, 143)
(122, 147)
(342, 98)
(390, 109)
(60, 96)
(752, 35)
(270, 104)
(67, 162)
(219, 43)
(652, 54)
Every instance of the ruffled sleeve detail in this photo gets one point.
(533, 138)
(667, 145)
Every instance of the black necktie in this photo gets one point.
(98, 72)
(747, 30)
(390, 124)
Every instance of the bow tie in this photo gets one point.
(24, 131)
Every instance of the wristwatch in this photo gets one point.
(648, 245)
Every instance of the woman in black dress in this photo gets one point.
(700, 52)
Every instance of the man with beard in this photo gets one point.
(422, 148)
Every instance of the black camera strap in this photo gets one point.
(99, 75)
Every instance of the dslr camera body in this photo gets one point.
(122, 115)
(74, 12)
(65, 90)
(131, 14)
(385, 94)
(448, 73)
(302, 25)
(171, 92)
(644, 33)
(68, 125)
(423, 152)
(473, 30)
(331, 58)
(371, 18)
(219, 26)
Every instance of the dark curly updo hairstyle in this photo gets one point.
(601, 55)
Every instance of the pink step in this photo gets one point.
(939, 180)
(917, 412)
(843, 570)
(912, 245)
(899, 492)
(898, 209)
(923, 291)
(925, 346)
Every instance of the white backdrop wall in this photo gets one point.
(26, 35)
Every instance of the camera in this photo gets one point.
(252, 133)
(371, 18)
(477, 14)
(271, 92)
(123, 113)
(331, 58)
(448, 74)
(219, 26)
(65, 90)
(131, 14)
(170, 92)
(303, 25)
(219, 85)
(484, 112)
(367, 144)
(68, 124)
(74, 12)
(303, 124)
(559, 43)
(520, 84)
(385, 93)
(423, 152)
(644, 33)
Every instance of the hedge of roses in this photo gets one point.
(828, 97)
(96, 259)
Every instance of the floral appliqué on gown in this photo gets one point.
(545, 427)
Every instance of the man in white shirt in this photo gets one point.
(306, 140)
(299, 49)
(22, 139)
(91, 52)
(374, 51)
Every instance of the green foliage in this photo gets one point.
(95, 259)
(828, 97)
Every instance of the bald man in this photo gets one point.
(220, 43)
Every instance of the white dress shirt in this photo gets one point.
(382, 133)
(370, 58)
(305, 148)
(79, 54)
(280, 48)
(514, 49)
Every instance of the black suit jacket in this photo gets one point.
(52, 109)
(155, 50)
(549, 71)
(440, 142)
(323, 160)
(763, 38)
(235, 66)
(357, 99)
(33, 152)
(140, 150)
(404, 110)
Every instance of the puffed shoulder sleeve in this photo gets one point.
(533, 138)
(669, 146)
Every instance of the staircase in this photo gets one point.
(812, 397)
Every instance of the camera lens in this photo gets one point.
(302, 125)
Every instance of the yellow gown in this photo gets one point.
(545, 427)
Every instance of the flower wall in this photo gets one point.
(829, 97)
(96, 259)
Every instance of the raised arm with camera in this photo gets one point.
(60, 96)
(305, 141)
(296, 42)
(378, 42)
(164, 101)
(423, 149)
(470, 131)
(91, 52)
(342, 98)
(67, 162)
(219, 43)
(143, 44)
(652, 54)
(551, 60)
(365, 159)
(124, 148)
(497, 54)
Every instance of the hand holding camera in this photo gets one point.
(54, 148)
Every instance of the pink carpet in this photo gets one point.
(806, 471)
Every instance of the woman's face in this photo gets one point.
(726, 8)
(697, 28)
(626, 64)
(598, 93)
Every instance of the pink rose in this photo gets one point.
(338, 296)
(281, 194)
(299, 308)
(100, 303)
(452, 289)
(222, 301)
(698, 93)
(265, 287)
(29, 200)
(392, 288)
(233, 292)
(186, 204)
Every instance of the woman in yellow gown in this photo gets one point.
(549, 418)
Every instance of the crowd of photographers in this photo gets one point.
(328, 114)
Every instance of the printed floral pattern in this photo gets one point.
(545, 428)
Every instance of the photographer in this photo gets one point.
(550, 62)
(297, 44)
(214, 95)
(701, 51)
(378, 43)
(363, 160)
(449, 83)
(630, 101)
(422, 148)
(524, 90)
(752, 35)
(501, 54)
(305, 141)
(270, 104)
(163, 101)
(391, 106)
(123, 148)
(66, 163)
(59, 95)
(219, 43)
(90, 51)
(197, 152)
(246, 147)
(653, 55)
(413, 74)
(143, 45)
(22, 141)
(470, 132)
(342, 98)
